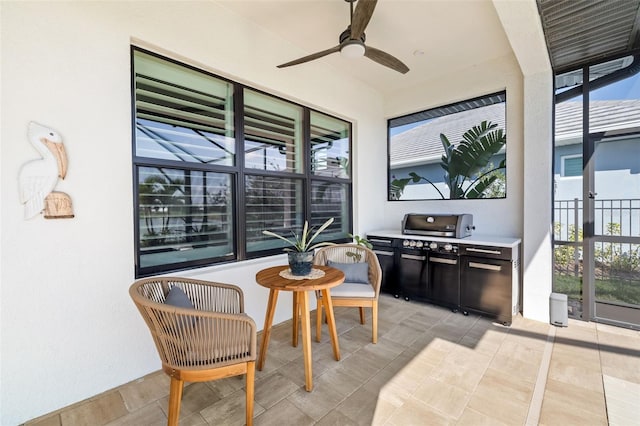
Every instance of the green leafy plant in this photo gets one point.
(361, 242)
(465, 164)
(302, 242)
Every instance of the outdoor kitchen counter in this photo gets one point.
(485, 240)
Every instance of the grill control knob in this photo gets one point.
(405, 243)
(448, 247)
(412, 243)
(419, 244)
(433, 246)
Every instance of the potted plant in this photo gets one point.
(301, 251)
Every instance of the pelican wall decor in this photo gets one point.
(38, 178)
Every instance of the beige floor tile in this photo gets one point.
(98, 411)
(414, 412)
(448, 400)
(230, 411)
(392, 394)
(555, 411)
(359, 407)
(141, 392)
(383, 411)
(577, 402)
(502, 386)
(583, 376)
(335, 418)
(474, 418)
(579, 352)
(228, 386)
(411, 375)
(525, 370)
(150, 415)
(341, 384)
(283, 413)
(359, 368)
(587, 358)
(195, 397)
(273, 389)
(623, 401)
(621, 363)
(317, 403)
(403, 334)
(464, 375)
(322, 361)
(509, 411)
(484, 341)
(47, 420)
(194, 419)
(523, 349)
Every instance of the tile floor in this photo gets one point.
(430, 367)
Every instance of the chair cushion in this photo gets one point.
(178, 298)
(353, 272)
(352, 290)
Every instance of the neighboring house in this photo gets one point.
(617, 168)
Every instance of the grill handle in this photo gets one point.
(413, 257)
(488, 267)
(376, 240)
(441, 260)
(486, 251)
(383, 253)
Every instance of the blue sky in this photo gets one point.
(626, 89)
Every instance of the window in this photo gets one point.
(571, 165)
(456, 151)
(197, 202)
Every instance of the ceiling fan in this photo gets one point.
(352, 41)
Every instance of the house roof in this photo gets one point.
(611, 117)
(422, 144)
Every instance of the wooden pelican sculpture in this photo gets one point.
(39, 177)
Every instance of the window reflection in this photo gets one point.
(457, 151)
(272, 133)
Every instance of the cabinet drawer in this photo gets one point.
(487, 252)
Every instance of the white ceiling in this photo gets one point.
(453, 34)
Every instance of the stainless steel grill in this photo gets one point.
(438, 225)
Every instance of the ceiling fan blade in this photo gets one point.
(383, 58)
(361, 17)
(311, 57)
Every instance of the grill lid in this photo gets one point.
(438, 225)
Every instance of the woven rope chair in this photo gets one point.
(361, 295)
(213, 341)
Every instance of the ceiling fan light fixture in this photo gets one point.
(352, 49)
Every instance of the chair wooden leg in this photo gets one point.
(175, 397)
(374, 320)
(251, 375)
(318, 319)
(361, 315)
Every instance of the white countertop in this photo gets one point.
(485, 240)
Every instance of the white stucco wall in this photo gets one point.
(522, 25)
(68, 328)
